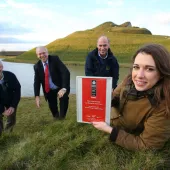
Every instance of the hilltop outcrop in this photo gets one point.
(122, 28)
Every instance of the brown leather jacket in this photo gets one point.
(140, 125)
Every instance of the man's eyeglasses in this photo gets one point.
(42, 53)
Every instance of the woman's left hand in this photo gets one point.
(103, 126)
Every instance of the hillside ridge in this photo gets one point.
(125, 39)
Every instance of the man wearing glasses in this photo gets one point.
(53, 75)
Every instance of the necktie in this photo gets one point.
(47, 85)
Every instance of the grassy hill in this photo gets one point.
(124, 39)
(40, 143)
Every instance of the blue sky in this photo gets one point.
(30, 23)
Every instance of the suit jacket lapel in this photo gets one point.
(41, 68)
(49, 64)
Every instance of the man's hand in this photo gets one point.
(61, 92)
(37, 101)
(9, 111)
(103, 126)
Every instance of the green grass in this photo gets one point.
(124, 41)
(40, 143)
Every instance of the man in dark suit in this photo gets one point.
(10, 94)
(53, 75)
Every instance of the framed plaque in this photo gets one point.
(93, 99)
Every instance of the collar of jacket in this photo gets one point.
(133, 94)
(2, 76)
(5, 79)
(4, 84)
(99, 59)
(130, 93)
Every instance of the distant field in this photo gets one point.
(7, 57)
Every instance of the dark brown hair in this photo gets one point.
(161, 57)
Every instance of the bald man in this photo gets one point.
(101, 62)
(10, 94)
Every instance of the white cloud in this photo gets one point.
(105, 12)
(48, 20)
(3, 5)
(115, 3)
(19, 46)
(163, 18)
(42, 22)
(14, 4)
(110, 2)
(154, 22)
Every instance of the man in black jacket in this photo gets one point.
(101, 62)
(10, 94)
(53, 75)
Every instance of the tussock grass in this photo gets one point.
(40, 143)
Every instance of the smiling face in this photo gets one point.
(42, 53)
(103, 46)
(144, 74)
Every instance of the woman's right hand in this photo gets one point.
(103, 126)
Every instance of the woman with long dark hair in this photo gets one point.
(142, 102)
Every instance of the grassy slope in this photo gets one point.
(38, 142)
(75, 47)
